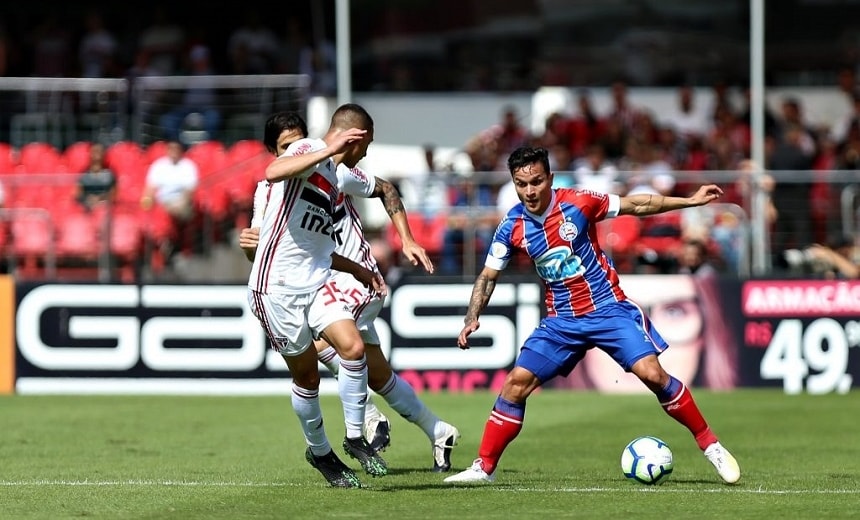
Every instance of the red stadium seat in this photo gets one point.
(32, 236)
(210, 157)
(154, 151)
(124, 155)
(246, 149)
(78, 236)
(429, 232)
(8, 158)
(76, 157)
(126, 235)
(41, 158)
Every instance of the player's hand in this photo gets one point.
(705, 194)
(378, 284)
(346, 138)
(249, 238)
(463, 338)
(417, 254)
(372, 280)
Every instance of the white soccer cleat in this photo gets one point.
(473, 475)
(443, 443)
(724, 462)
(377, 428)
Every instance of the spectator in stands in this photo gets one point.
(170, 184)
(426, 190)
(52, 47)
(253, 47)
(793, 118)
(96, 184)
(595, 172)
(585, 127)
(163, 40)
(622, 112)
(842, 128)
(198, 118)
(687, 118)
(386, 261)
(98, 48)
(472, 209)
(490, 148)
(319, 61)
(561, 163)
(790, 163)
(840, 258)
(694, 258)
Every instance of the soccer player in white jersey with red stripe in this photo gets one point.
(366, 303)
(293, 262)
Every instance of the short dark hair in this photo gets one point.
(525, 155)
(351, 115)
(277, 123)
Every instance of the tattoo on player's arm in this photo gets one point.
(481, 293)
(390, 196)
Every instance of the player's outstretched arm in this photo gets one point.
(644, 204)
(482, 290)
(287, 166)
(368, 278)
(393, 204)
(249, 238)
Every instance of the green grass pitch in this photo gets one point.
(161, 457)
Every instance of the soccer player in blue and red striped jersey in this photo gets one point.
(586, 307)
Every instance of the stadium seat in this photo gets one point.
(32, 236)
(76, 157)
(123, 155)
(126, 234)
(210, 157)
(38, 157)
(153, 151)
(428, 232)
(8, 158)
(246, 149)
(78, 236)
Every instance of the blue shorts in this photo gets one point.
(621, 329)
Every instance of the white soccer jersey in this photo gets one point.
(296, 228)
(349, 233)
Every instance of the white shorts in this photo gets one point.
(293, 321)
(284, 317)
(363, 303)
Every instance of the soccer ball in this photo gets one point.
(647, 460)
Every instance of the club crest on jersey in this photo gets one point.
(567, 231)
(498, 250)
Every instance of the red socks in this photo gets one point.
(499, 431)
(683, 409)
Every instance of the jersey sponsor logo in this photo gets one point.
(359, 174)
(568, 231)
(559, 263)
(302, 149)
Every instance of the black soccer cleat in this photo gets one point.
(333, 469)
(360, 450)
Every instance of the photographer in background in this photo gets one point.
(838, 260)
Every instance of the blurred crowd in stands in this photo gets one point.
(631, 149)
(136, 206)
(128, 204)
